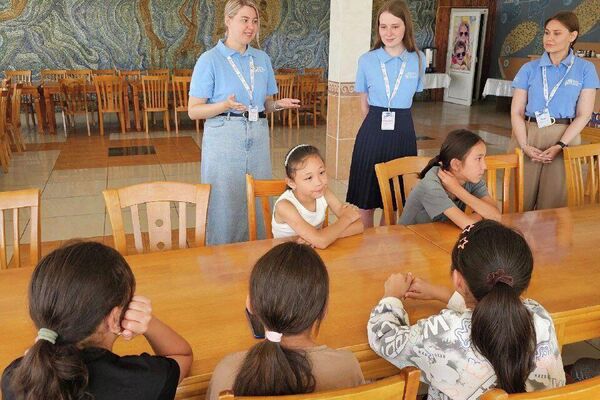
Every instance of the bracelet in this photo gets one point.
(561, 144)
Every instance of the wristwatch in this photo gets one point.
(561, 144)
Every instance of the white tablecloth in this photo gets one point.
(436, 81)
(498, 87)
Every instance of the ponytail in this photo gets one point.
(51, 371)
(270, 369)
(435, 161)
(496, 263)
(502, 331)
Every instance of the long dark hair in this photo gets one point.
(399, 9)
(289, 289)
(71, 291)
(569, 20)
(457, 145)
(497, 263)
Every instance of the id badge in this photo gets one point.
(252, 113)
(543, 118)
(388, 119)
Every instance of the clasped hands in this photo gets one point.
(406, 286)
(546, 156)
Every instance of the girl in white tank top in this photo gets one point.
(301, 209)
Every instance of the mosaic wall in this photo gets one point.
(142, 34)
(520, 25)
(423, 14)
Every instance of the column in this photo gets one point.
(349, 38)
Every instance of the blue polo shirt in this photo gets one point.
(369, 78)
(214, 78)
(563, 105)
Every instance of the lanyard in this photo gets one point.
(387, 82)
(249, 89)
(555, 88)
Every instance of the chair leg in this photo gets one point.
(176, 124)
(64, 122)
(167, 122)
(101, 123)
(122, 121)
(297, 119)
(87, 122)
(198, 126)
(146, 121)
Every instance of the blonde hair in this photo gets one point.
(234, 6)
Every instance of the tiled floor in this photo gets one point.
(72, 171)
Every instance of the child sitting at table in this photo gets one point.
(301, 209)
(81, 299)
(451, 181)
(487, 336)
(289, 289)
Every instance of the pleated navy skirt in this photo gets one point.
(374, 146)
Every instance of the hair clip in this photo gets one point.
(461, 244)
(468, 229)
(287, 158)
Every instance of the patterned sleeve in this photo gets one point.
(392, 338)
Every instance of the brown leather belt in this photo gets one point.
(565, 121)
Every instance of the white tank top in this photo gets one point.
(315, 218)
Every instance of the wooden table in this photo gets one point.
(201, 291)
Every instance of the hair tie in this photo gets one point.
(287, 158)
(274, 337)
(499, 276)
(48, 335)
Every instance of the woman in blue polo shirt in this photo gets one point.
(387, 78)
(232, 88)
(552, 102)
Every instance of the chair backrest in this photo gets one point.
(315, 71)
(85, 74)
(104, 72)
(73, 95)
(307, 89)
(158, 72)
(292, 71)
(403, 173)
(584, 390)
(403, 386)
(26, 198)
(157, 197)
(264, 189)
(156, 92)
(109, 91)
(19, 76)
(509, 165)
(53, 75)
(582, 168)
(181, 88)
(183, 72)
(129, 76)
(285, 85)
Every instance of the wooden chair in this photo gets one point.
(53, 75)
(403, 386)
(307, 93)
(507, 163)
(4, 142)
(403, 173)
(129, 76)
(13, 123)
(158, 72)
(285, 89)
(85, 74)
(286, 71)
(23, 76)
(156, 98)
(583, 390)
(582, 168)
(109, 92)
(320, 72)
(15, 200)
(183, 72)
(157, 197)
(97, 72)
(181, 88)
(74, 101)
(264, 189)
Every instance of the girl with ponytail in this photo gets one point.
(81, 298)
(289, 289)
(450, 182)
(488, 336)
